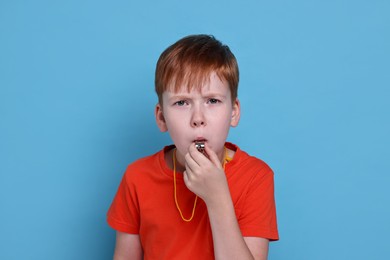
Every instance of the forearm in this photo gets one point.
(128, 246)
(227, 237)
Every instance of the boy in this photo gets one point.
(202, 197)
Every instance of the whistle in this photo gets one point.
(200, 147)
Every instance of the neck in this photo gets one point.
(180, 164)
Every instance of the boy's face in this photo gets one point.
(204, 115)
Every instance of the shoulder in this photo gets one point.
(244, 162)
(142, 166)
(152, 167)
(144, 161)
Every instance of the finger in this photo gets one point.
(189, 168)
(190, 163)
(213, 156)
(196, 155)
(186, 178)
(193, 150)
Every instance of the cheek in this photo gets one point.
(175, 128)
(220, 126)
(172, 121)
(221, 119)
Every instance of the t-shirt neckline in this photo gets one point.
(169, 172)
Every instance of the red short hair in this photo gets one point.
(191, 60)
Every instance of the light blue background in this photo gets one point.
(77, 100)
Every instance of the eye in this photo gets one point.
(213, 101)
(180, 103)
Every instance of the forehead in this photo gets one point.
(212, 83)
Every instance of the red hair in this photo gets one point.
(191, 60)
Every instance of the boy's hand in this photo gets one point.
(205, 177)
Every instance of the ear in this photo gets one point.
(236, 110)
(160, 120)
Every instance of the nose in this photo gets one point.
(198, 118)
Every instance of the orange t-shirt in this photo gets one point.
(144, 205)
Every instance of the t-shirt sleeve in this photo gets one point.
(123, 214)
(258, 218)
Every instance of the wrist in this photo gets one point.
(220, 203)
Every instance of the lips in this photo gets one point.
(200, 140)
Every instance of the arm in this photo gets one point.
(258, 247)
(227, 238)
(207, 179)
(128, 246)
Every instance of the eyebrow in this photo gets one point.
(214, 94)
(206, 95)
(179, 97)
